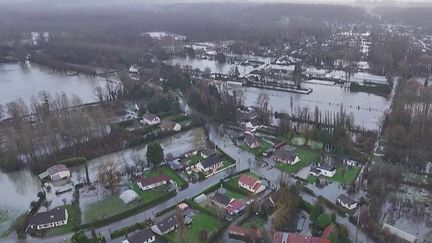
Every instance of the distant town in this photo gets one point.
(215, 122)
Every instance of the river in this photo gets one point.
(18, 80)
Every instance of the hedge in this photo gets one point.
(209, 190)
(168, 209)
(195, 205)
(128, 213)
(236, 189)
(75, 161)
(129, 229)
(341, 211)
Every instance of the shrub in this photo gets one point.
(73, 161)
(323, 221)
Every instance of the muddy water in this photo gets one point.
(26, 80)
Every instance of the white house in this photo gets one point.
(134, 69)
(150, 119)
(326, 170)
(152, 182)
(286, 156)
(58, 172)
(346, 202)
(350, 162)
(251, 184)
(253, 125)
(50, 219)
(142, 236)
(212, 163)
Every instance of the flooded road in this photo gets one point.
(215, 66)
(24, 81)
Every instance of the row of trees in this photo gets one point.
(48, 125)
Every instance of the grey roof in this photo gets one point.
(212, 160)
(250, 139)
(208, 152)
(167, 223)
(286, 155)
(57, 168)
(141, 236)
(149, 116)
(315, 170)
(326, 167)
(221, 198)
(54, 215)
(344, 198)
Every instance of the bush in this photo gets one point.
(73, 161)
(323, 221)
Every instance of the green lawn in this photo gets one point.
(348, 178)
(107, 207)
(233, 194)
(200, 222)
(148, 195)
(74, 221)
(254, 222)
(165, 170)
(299, 141)
(258, 151)
(306, 157)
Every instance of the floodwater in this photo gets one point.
(366, 108)
(17, 190)
(18, 80)
(215, 66)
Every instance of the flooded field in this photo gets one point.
(215, 66)
(24, 81)
(17, 190)
(367, 109)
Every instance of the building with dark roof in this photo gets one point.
(169, 224)
(251, 140)
(212, 163)
(58, 172)
(142, 236)
(147, 183)
(346, 202)
(50, 219)
(221, 200)
(286, 156)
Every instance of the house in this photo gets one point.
(142, 236)
(346, 202)
(150, 119)
(243, 233)
(175, 164)
(326, 170)
(58, 172)
(253, 124)
(207, 153)
(314, 171)
(134, 69)
(235, 207)
(148, 183)
(169, 224)
(279, 145)
(168, 125)
(269, 152)
(212, 163)
(221, 200)
(286, 156)
(251, 184)
(350, 162)
(284, 237)
(50, 219)
(251, 141)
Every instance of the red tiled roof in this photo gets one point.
(243, 231)
(235, 204)
(153, 180)
(248, 180)
(256, 187)
(327, 231)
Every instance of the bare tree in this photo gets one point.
(109, 176)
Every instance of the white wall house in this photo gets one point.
(134, 69)
(346, 202)
(251, 184)
(150, 119)
(326, 170)
(152, 182)
(50, 219)
(58, 172)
